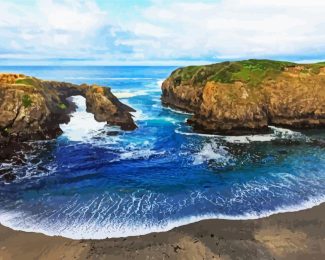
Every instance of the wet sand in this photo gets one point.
(296, 235)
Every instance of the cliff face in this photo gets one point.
(107, 108)
(248, 96)
(32, 109)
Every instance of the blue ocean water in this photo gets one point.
(96, 181)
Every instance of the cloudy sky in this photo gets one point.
(159, 32)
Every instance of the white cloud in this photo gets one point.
(163, 30)
(51, 28)
(232, 29)
(72, 16)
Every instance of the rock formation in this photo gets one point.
(247, 96)
(33, 109)
(107, 108)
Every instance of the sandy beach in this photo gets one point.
(295, 235)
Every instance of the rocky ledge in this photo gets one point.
(33, 109)
(245, 97)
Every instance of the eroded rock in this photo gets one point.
(246, 97)
(107, 108)
(33, 109)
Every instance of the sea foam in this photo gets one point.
(211, 152)
(278, 133)
(130, 94)
(101, 229)
(82, 124)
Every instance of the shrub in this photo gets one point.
(27, 102)
(62, 106)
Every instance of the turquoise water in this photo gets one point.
(96, 181)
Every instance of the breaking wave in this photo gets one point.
(129, 94)
(212, 152)
(90, 221)
(278, 133)
(82, 124)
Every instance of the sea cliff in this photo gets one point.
(246, 97)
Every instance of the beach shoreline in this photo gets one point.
(292, 235)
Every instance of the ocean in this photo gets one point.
(96, 181)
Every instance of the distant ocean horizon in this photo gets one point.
(96, 181)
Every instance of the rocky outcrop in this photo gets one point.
(246, 97)
(107, 108)
(33, 109)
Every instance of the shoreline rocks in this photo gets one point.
(107, 108)
(246, 97)
(33, 109)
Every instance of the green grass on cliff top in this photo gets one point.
(29, 81)
(252, 72)
(26, 81)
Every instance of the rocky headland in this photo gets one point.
(245, 97)
(33, 109)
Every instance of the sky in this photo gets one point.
(159, 32)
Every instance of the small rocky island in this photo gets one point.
(245, 97)
(33, 109)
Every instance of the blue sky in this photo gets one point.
(158, 32)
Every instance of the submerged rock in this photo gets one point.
(9, 177)
(247, 96)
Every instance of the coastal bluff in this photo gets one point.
(245, 97)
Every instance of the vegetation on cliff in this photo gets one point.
(252, 72)
(246, 96)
